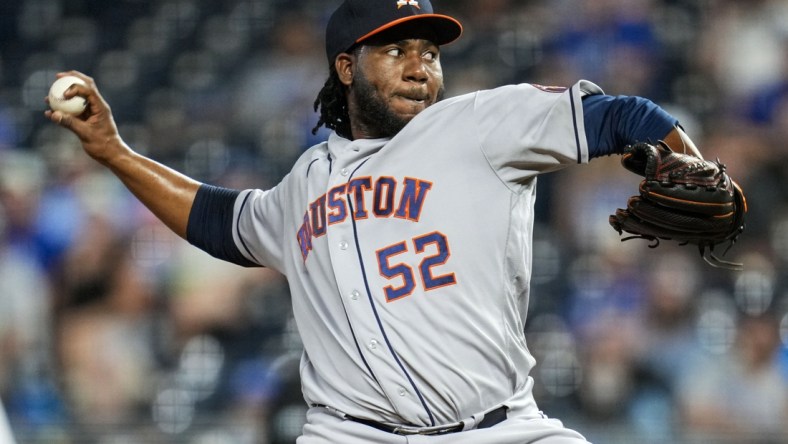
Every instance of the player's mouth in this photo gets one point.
(416, 102)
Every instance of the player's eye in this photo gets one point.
(394, 52)
(430, 55)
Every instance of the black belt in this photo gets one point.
(490, 419)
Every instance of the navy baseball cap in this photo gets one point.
(357, 20)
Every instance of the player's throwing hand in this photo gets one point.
(95, 127)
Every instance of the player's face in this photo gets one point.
(392, 83)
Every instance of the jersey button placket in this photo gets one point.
(360, 315)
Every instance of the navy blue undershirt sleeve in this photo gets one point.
(210, 226)
(612, 122)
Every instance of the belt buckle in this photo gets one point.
(436, 430)
(488, 419)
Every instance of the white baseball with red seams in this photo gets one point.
(75, 105)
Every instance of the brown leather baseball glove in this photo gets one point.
(682, 198)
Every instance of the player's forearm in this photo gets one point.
(166, 192)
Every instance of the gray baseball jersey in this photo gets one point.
(409, 258)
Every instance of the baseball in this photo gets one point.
(75, 105)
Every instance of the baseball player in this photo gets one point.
(406, 237)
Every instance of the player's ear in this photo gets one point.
(344, 66)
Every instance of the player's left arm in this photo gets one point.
(613, 122)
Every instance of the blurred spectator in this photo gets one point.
(103, 328)
(276, 89)
(25, 317)
(608, 381)
(743, 45)
(665, 344)
(618, 32)
(740, 396)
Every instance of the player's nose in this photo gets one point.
(415, 69)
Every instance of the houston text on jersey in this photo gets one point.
(389, 198)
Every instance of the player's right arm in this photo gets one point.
(166, 192)
(200, 213)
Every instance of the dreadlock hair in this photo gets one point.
(332, 103)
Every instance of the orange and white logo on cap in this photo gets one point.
(401, 3)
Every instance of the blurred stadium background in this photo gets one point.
(113, 331)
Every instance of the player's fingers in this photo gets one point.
(96, 103)
(54, 116)
(59, 118)
(87, 91)
(79, 90)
